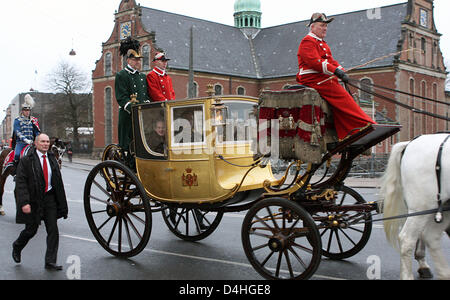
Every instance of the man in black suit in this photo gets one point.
(40, 195)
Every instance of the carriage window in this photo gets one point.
(240, 123)
(188, 125)
(153, 130)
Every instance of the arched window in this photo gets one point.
(108, 116)
(411, 113)
(367, 88)
(424, 107)
(146, 59)
(241, 91)
(423, 46)
(434, 96)
(195, 90)
(218, 89)
(108, 64)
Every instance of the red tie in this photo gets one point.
(44, 168)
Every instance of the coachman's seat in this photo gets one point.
(304, 120)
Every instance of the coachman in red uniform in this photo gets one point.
(317, 64)
(159, 83)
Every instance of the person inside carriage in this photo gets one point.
(316, 65)
(25, 130)
(157, 137)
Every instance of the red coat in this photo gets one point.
(160, 86)
(316, 63)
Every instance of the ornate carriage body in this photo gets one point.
(195, 164)
(211, 160)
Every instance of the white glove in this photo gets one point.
(127, 106)
(29, 142)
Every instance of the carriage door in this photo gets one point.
(190, 176)
(150, 132)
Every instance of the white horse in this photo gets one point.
(410, 185)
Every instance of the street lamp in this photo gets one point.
(72, 52)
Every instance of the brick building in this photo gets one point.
(245, 58)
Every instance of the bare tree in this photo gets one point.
(75, 88)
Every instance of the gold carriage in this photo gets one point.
(197, 159)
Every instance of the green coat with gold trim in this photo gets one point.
(129, 82)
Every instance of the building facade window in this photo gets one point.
(367, 88)
(124, 62)
(423, 46)
(241, 91)
(424, 107)
(108, 64)
(218, 89)
(195, 90)
(146, 59)
(411, 113)
(108, 116)
(435, 97)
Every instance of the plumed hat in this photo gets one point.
(130, 48)
(28, 102)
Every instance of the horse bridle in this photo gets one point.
(60, 152)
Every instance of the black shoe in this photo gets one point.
(53, 267)
(16, 254)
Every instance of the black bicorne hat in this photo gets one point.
(319, 17)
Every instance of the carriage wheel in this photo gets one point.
(113, 152)
(117, 209)
(191, 224)
(281, 240)
(339, 239)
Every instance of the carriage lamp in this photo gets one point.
(219, 113)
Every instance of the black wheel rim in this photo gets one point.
(117, 209)
(281, 240)
(341, 238)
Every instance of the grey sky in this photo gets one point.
(38, 34)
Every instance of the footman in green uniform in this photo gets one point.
(130, 88)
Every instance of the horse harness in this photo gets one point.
(438, 217)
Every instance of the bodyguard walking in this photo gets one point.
(40, 196)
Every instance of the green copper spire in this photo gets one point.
(247, 13)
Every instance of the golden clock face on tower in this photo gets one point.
(125, 30)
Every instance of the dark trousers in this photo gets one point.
(51, 225)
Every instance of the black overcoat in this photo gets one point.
(30, 185)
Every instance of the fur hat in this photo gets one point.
(28, 102)
(130, 48)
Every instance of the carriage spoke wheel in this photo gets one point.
(117, 209)
(281, 240)
(191, 224)
(113, 152)
(340, 238)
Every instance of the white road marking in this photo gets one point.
(196, 257)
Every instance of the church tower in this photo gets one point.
(247, 16)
